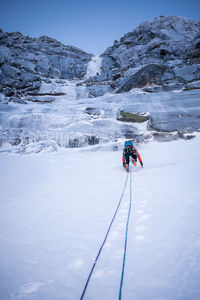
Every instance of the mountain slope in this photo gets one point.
(168, 43)
(172, 43)
(25, 61)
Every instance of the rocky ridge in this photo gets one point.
(26, 61)
(163, 54)
(159, 55)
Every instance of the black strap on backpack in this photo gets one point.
(130, 150)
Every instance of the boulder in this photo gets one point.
(146, 76)
(130, 117)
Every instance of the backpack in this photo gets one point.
(129, 148)
(128, 143)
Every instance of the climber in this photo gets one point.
(130, 150)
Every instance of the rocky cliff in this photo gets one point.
(160, 55)
(157, 55)
(25, 61)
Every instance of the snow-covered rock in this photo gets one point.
(24, 60)
(187, 73)
(164, 41)
(170, 42)
(146, 76)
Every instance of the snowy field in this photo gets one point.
(56, 208)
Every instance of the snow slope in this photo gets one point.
(56, 208)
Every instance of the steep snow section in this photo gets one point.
(56, 208)
(94, 67)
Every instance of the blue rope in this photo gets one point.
(90, 274)
(126, 237)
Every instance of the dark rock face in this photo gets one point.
(146, 76)
(170, 43)
(24, 61)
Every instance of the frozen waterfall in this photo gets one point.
(94, 67)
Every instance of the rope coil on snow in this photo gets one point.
(100, 249)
